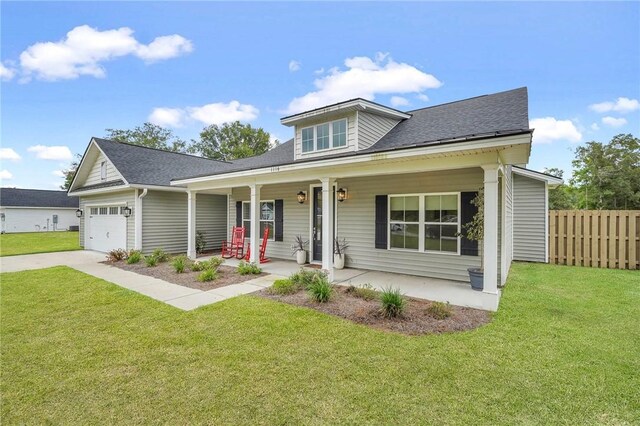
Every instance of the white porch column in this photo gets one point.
(327, 226)
(191, 225)
(137, 217)
(490, 241)
(255, 223)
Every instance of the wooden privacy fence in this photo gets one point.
(595, 238)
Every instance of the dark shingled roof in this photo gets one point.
(148, 166)
(15, 197)
(485, 116)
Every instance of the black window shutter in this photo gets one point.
(381, 221)
(238, 213)
(278, 233)
(467, 247)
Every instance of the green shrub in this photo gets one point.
(208, 275)
(179, 263)
(198, 266)
(215, 262)
(365, 291)
(134, 257)
(304, 277)
(284, 286)
(116, 255)
(393, 303)
(320, 289)
(150, 260)
(160, 255)
(200, 241)
(245, 268)
(439, 310)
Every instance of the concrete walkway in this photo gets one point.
(175, 295)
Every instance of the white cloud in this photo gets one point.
(594, 126)
(214, 113)
(364, 78)
(6, 174)
(220, 112)
(614, 122)
(51, 152)
(549, 129)
(294, 65)
(167, 117)
(398, 101)
(423, 97)
(58, 173)
(622, 105)
(9, 154)
(6, 72)
(84, 49)
(319, 71)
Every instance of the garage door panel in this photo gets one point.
(107, 229)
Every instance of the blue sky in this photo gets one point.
(71, 70)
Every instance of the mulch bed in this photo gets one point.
(164, 271)
(415, 320)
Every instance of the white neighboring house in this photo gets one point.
(35, 210)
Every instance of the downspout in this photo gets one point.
(138, 218)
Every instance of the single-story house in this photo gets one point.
(36, 210)
(396, 185)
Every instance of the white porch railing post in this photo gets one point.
(191, 225)
(254, 239)
(490, 241)
(327, 226)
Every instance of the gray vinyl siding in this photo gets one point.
(296, 215)
(165, 215)
(351, 137)
(529, 219)
(94, 173)
(356, 223)
(106, 199)
(372, 127)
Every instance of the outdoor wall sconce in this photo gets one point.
(342, 194)
(79, 213)
(302, 197)
(126, 211)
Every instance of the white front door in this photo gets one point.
(107, 229)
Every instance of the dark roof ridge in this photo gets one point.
(464, 100)
(158, 149)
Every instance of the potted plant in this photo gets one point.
(339, 248)
(299, 249)
(474, 231)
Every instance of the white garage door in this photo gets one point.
(107, 228)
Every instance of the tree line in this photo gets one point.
(229, 141)
(605, 176)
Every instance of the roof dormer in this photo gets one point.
(343, 127)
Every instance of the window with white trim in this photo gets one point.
(425, 222)
(267, 218)
(103, 170)
(324, 136)
(94, 210)
(113, 210)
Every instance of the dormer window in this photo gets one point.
(325, 136)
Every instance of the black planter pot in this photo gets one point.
(476, 276)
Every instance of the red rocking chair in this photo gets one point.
(263, 248)
(235, 248)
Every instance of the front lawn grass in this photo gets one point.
(564, 348)
(38, 242)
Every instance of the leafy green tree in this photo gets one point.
(70, 172)
(149, 135)
(231, 141)
(607, 176)
(560, 197)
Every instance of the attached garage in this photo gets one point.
(106, 228)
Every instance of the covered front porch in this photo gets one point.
(434, 289)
